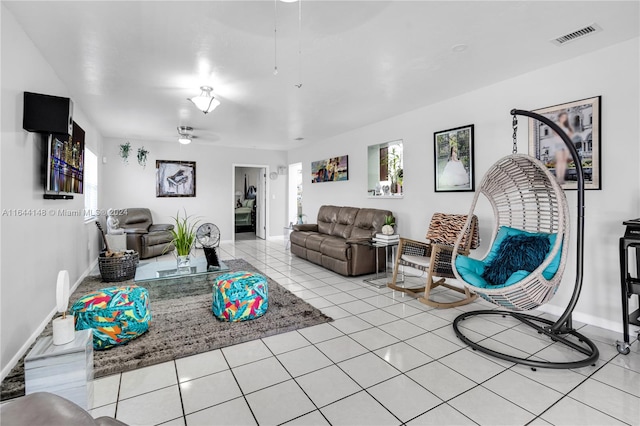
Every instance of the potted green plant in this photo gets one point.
(184, 235)
(389, 223)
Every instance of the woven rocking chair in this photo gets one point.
(433, 256)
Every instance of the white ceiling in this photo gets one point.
(130, 65)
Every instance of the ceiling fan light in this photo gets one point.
(184, 140)
(205, 101)
(185, 131)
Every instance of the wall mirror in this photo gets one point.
(386, 175)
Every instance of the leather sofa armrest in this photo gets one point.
(161, 227)
(306, 227)
(135, 231)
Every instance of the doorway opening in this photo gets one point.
(295, 193)
(249, 202)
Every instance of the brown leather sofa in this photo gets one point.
(339, 240)
(143, 236)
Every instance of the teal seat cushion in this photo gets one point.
(472, 270)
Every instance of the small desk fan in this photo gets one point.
(208, 236)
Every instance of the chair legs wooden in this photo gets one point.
(423, 294)
(431, 284)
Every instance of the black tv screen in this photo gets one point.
(65, 163)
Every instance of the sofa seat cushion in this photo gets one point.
(314, 241)
(155, 238)
(336, 248)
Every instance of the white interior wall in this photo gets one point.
(131, 185)
(488, 109)
(37, 245)
(294, 180)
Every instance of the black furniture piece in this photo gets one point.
(630, 285)
(208, 235)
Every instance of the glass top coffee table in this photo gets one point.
(163, 281)
(163, 270)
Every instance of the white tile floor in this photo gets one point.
(385, 360)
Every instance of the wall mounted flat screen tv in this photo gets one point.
(65, 163)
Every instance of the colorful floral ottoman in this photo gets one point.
(115, 314)
(240, 296)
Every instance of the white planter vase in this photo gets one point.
(183, 264)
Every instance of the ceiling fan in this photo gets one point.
(185, 134)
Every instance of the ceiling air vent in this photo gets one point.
(582, 32)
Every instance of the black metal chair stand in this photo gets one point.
(562, 329)
(542, 326)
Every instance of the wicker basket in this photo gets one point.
(120, 268)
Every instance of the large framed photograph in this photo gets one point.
(454, 168)
(175, 178)
(330, 170)
(581, 122)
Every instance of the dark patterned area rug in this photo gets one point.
(183, 324)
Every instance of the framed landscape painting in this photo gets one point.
(175, 178)
(580, 120)
(330, 170)
(453, 157)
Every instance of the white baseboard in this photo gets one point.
(25, 347)
(584, 318)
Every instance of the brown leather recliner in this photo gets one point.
(340, 240)
(143, 236)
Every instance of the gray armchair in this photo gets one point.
(143, 236)
(45, 409)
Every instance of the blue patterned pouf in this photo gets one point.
(240, 296)
(115, 314)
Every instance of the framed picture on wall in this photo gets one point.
(581, 122)
(453, 157)
(175, 178)
(330, 170)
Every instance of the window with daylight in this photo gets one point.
(90, 185)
